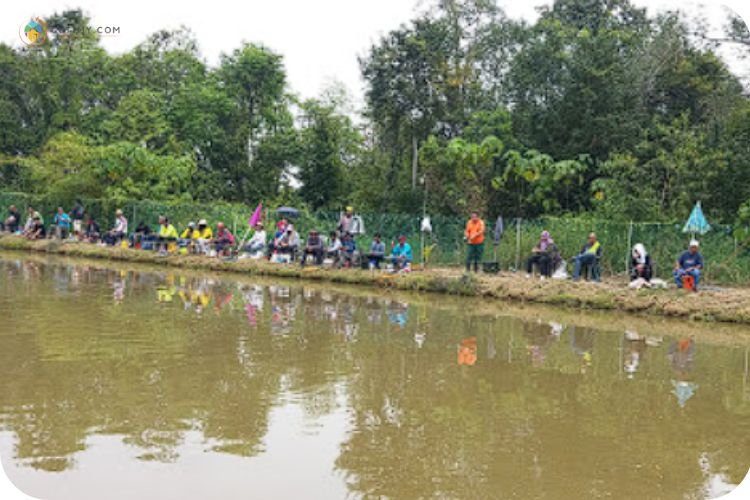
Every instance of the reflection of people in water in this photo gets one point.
(467, 351)
(635, 347)
(253, 298)
(398, 313)
(118, 288)
(681, 355)
(165, 293)
(540, 339)
(582, 344)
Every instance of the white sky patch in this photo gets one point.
(319, 39)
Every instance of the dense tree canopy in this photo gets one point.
(596, 107)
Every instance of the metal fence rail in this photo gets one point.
(726, 261)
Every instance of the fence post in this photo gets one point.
(518, 242)
(630, 245)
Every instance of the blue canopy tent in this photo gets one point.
(697, 222)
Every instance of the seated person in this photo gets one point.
(92, 232)
(348, 252)
(13, 221)
(62, 224)
(257, 244)
(188, 237)
(334, 248)
(120, 231)
(640, 264)
(167, 234)
(376, 253)
(401, 254)
(31, 216)
(590, 253)
(142, 233)
(224, 240)
(205, 235)
(187, 233)
(314, 247)
(36, 231)
(545, 255)
(289, 243)
(277, 236)
(690, 263)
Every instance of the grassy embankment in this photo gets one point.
(730, 305)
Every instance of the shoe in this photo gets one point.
(542, 278)
(528, 276)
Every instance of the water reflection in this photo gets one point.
(438, 402)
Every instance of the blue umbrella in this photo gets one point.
(287, 212)
(697, 222)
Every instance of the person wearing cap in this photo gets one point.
(690, 263)
(205, 235)
(189, 233)
(313, 247)
(257, 243)
(346, 222)
(289, 242)
(120, 231)
(223, 240)
(401, 254)
(277, 236)
(474, 235)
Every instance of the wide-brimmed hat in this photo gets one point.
(202, 222)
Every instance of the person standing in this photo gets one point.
(346, 222)
(62, 224)
(77, 214)
(474, 235)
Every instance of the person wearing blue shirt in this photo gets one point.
(401, 255)
(690, 263)
(62, 224)
(348, 250)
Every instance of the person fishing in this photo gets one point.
(474, 235)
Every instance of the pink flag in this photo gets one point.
(256, 215)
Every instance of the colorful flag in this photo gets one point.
(256, 215)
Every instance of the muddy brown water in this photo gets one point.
(122, 383)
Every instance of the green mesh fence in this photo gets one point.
(726, 262)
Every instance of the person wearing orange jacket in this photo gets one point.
(474, 235)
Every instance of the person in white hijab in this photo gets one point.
(640, 264)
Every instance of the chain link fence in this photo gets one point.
(726, 260)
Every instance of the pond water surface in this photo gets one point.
(122, 383)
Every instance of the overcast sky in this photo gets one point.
(319, 39)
